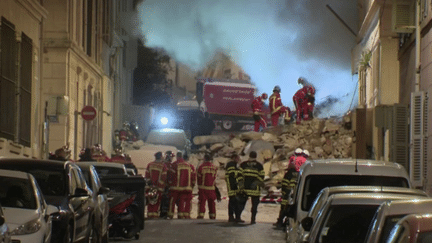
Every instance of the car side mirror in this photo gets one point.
(51, 209)
(80, 192)
(306, 223)
(103, 190)
(2, 220)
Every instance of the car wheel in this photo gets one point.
(227, 125)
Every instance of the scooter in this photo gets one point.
(123, 217)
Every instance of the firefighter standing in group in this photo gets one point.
(183, 178)
(156, 172)
(234, 181)
(253, 174)
(304, 100)
(257, 105)
(276, 107)
(165, 198)
(206, 178)
(287, 184)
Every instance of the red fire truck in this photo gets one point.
(228, 102)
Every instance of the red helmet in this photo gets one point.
(264, 96)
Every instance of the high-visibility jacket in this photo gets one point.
(157, 173)
(275, 103)
(288, 183)
(233, 177)
(253, 174)
(206, 176)
(257, 105)
(183, 176)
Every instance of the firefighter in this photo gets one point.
(233, 179)
(257, 105)
(206, 177)
(156, 172)
(304, 100)
(286, 186)
(181, 185)
(188, 200)
(164, 207)
(276, 107)
(287, 115)
(253, 174)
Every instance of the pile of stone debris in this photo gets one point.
(323, 138)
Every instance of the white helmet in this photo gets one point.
(305, 152)
(298, 151)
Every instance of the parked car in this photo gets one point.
(5, 235)
(298, 234)
(346, 217)
(390, 212)
(99, 195)
(107, 168)
(63, 185)
(413, 228)
(158, 140)
(28, 216)
(318, 174)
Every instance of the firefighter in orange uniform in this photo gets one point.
(304, 100)
(206, 177)
(181, 185)
(257, 105)
(276, 107)
(156, 172)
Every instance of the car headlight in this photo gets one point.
(28, 228)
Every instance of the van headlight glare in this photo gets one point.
(30, 227)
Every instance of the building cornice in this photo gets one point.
(36, 10)
(369, 19)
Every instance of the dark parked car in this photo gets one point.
(99, 194)
(64, 186)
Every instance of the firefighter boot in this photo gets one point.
(253, 218)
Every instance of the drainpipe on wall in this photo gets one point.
(417, 50)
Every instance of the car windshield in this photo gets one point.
(389, 223)
(17, 193)
(175, 139)
(107, 171)
(346, 223)
(315, 183)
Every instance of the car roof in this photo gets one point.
(377, 189)
(168, 130)
(407, 206)
(35, 163)
(366, 198)
(353, 167)
(14, 173)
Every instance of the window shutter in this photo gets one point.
(417, 136)
(399, 136)
(403, 15)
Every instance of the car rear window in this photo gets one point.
(315, 183)
(389, 223)
(346, 223)
(107, 171)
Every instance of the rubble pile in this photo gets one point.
(323, 138)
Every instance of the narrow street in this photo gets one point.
(208, 231)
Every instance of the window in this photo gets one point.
(89, 27)
(106, 13)
(7, 80)
(15, 110)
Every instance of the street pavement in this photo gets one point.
(206, 231)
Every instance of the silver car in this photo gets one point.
(346, 217)
(299, 234)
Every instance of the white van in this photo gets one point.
(318, 174)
